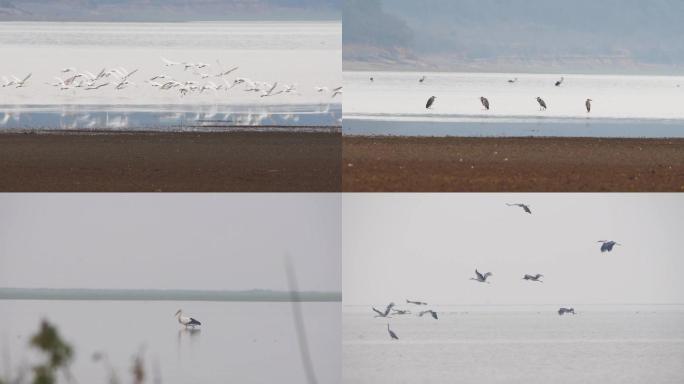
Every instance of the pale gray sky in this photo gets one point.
(169, 241)
(427, 246)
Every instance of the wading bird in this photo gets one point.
(480, 277)
(387, 310)
(430, 101)
(415, 302)
(187, 321)
(559, 82)
(534, 277)
(431, 312)
(563, 311)
(525, 207)
(542, 104)
(391, 333)
(607, 245)
(485, 102)
(588, 105)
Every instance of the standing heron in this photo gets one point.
(415, 302)
(588, 105)
(430, 101)
(387, 310)
(542, 104)
(607, 245)
(559, 82)
(534, 277)
(525, 207)
(480, 277)
(485, 102)
(563, 311)
(185, 320)
(422, 79)
(431, 312)
(391, 333)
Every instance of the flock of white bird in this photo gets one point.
(195, 78)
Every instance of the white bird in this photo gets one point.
(185, 320)
(22, 83)
(480, 277)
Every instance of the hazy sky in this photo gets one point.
(169, 241)
(427, 246)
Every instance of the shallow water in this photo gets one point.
(304, 55)
(637, 344)
(237, 342)
(623, 106)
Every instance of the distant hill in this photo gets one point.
(168, 10)
(163, 294)
(515, 35)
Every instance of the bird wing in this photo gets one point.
(389, 307)
(479, 275)
(378, 312)
(487, 274)
(27, 77)
(526, 208)
(194, 322)
(434, 315)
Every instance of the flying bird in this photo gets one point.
(422, 79)
(400, 311)
(607, 246)
(391, 333)
(430, 101)
(387, 310)
(511, 81)
(525, 207)
(187, 321)
(485, 102)
(563, 311)
(542, 104)
(431, 312)
(533, 277)
(480, 277)
(588, 105)
(559, 82)
(415, 302)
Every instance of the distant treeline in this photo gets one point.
(163, 294)
(168, 10)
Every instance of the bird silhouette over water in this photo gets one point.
(431, 312)
(607, 246)
(415, 302)
(387, 310)
(542, 104)
(485, 102)
(393, 335)
(534, 277)
(430, 101)
(525, 207)
(480, 277)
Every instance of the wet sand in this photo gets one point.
(197, 162)
(512, 164)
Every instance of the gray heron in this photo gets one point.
(185, 320)
(387, 310)
(534, 277)
(431, 312)
(607, 245)
(563, 311)
(525, 207)
(430, 101)
(485, 102)
(542, 103)
(480, 277)
(391, 333)
(588, 105)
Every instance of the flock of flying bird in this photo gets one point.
(485, 102)
(606, 246)
(203, 80)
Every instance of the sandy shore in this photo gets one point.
(512, 164)
(235, 161)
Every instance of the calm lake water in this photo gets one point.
(623, 106)
(301, 55)
(637, 344)
(238, 342)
